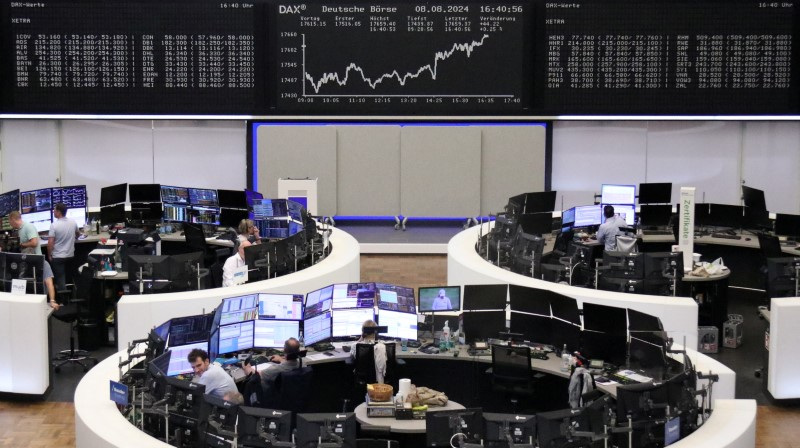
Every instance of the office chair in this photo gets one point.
(512, 373)
(293, 391)
(770, 247)
(196, 241)
(626, 240)
(365, 366)
(74, 313)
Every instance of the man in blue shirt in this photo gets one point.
(608, 231)
(214, 377)
(61, 245)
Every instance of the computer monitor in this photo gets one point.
(184, 269)
(238, 309)
(638, 321)
(144, 192)
(232, 199)
(25, 267)
(542, 201)
(295, 211)
(146, 212)
(647, 355)
(564, 307)
(636, 400)
(230, 217)
(9, 201)
(155, 270)
(726, 216)
(203, 196)
(174, 195)
(189, 329)
(604, 318)
(551, 426)
(221, 411)
(624, 265)
(274, 333)
(252, 196)
(588, 215)
(348, 322)
(787, 225)
(624, 211)
(319, 301)
(399, 325)
(565, 333)
(272, 228)
(317, 328)
(439, 298)
(257, 424)
(617, 194)
(270, 208)
(536, 223)
(175, 213)
(663, 265)
(260, 260)
(441, 426)
(529, 300)
(163, 330)
(314, 428)
(485, 297)
(235, 337)
(655, 193)
(36, 201)
(482, 325)
(78, 215)
(782, 276)
(178, 361)
(754, 198)
(353, 295)
(396, 298)
(41, 220)
(521, 429)
(611, 348)
(533, 327)
(112, 214)
(204, 214)
(73, 196)
(655, 215)
(114, 194)
(280, 306)
(568, 217)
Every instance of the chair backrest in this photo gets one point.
(770, 246)
(511, 363)
(294, 389)
(195, 238)
(365, 362)
(626, 243)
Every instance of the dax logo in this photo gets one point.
(291, 9)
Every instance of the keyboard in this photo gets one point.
(472, 352)
(621, 379)
(657, 232)
(726, 236)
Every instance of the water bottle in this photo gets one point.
(565, 359)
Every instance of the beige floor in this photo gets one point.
(53, 424)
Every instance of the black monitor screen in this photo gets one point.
(608, 347)
(564, 307)
(655, 193)
(113, 194)
(536, 223)
(533, 327)
(565, 333)
(154, 267)
(313, 428)
(112, 214)
(482, 325)
(787, 225)
(521, 428)
(635, 399)
(9, 202)
(230, 217)
(396, 298)
(529, 300)
(551, 426)
(544, 201)
(646, 355)
(146, 211)
(485, 297)
(439, 298)
(638, 321)
(754, 198)
(163, 330)
(144, 192)
(441, 426)
(203, 196)
(72, 197)
(174, 195)
(607, 319)
(663, 265)
(232, 199)
(723, 215)
(184, 269)
(256, 421)
(36, 201)
(26, 267)
(655, 215)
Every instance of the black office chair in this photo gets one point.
(512, 373)
(770, 247)
(76, 312)
(365, 367)
(293, 391)
(196, 241)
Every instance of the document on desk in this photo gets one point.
(631, 375)
(102, 252)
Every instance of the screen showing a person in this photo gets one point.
(353, 295)
(174, 195)
(398, 325)
(273, 333)
(617, 194)
(396, 298)
(178, 363)
(440, 298)
(349, 322)
(235, 337)
(588, 215)
(280, 306)
(318, 301)
(626, 212)
(239, 309)
(317, 328)
(203, 196)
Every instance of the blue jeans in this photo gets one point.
(62, 271)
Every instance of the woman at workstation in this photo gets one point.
(248, 231)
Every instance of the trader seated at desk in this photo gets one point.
(289, 361)
(608, 231)
(369, 336)
(234, 262)
(214, 377)
(248, 231)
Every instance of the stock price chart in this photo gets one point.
(413, 57)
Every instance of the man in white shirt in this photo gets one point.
(608, 231)
(61, 245)
(232, 263)
(214, 377)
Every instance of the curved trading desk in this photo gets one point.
(137, 314)
(99, 424)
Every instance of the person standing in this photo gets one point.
(28, 235)
(61, 245)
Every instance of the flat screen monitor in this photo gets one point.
(551, 425)
(638, 321)
(36, 201)
(727, 216)
(230, 217)
(608, 347)
(295, 211)
(72, 197)
(155, 270)
(317, 328)
(521, 428)
(200, 214)
(274, 333)
(568, 217)
(40, 220)
(112, 214)
(239, 309)
(787, 225)
(482, 325)
(252, 196)
(439, 298)
(565, 333)
(163, 330)
(543, 201)
(588, 215)
(144, 192)
(270, 208)
(232, 199)
(756, 219)
(184, 269)
(314, 428)
(114, 194)
(663, 265)
(25, 267)
(485, 297)
(253, 422)
(398, 325)
(174, 195)
(529, 300)
(189, 329)
(624, 211)
(203, 196)
(536, 223)
(617, 194)
(272, 228)
(603, 318)
(146, 211)
(754, 198)
(533, 327)
(396, 298)
(635, 399)
(564, 307)
(78, 215)
(9, 201)
(647, 355)
(353, 295)
(178, 362)
(347, 323)
(655, 193)
(624, 264)
(655, 215)
(235, 337)
(319, 301)
(442, 426)
(280, 306)
(176, 213)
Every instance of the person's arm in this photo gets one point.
(33, 242)
(601, 235)
(51, 293)
(50, 245)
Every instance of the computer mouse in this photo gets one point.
(747, 239)
(593, 237)
(346, 348)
